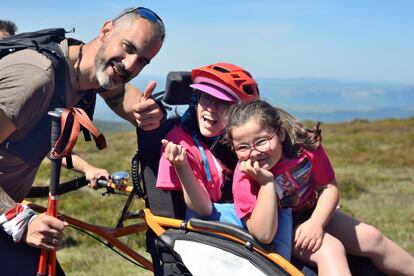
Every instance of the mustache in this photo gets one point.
(120, 69)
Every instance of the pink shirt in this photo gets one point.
(296, 182)
(167, 178)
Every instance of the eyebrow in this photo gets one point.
(132, 45)
(136, 49)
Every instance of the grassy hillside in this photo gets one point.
(107, 126)
(374, 167)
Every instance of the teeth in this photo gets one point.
(116, 69)
(206, 117)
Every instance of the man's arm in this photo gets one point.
(92, 173)
(43, 231)
(6, 126)
(6, 202)
(139, 109)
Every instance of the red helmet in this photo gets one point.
(225, 81)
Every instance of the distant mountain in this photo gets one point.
(326, 100)
(336, 100)
(108, 126)
(344, 116)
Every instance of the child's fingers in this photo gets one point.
(256, 166)
(174, 152)
(164, 142)
(311, 244)
(300, 241)
(242, 166)
(182, 153)
(305, 243)
(250, 169)
(250, 166)
(298, 238)
(298, 244)
(245, 165)
(171, 150)
(317, 245)
(171, 146)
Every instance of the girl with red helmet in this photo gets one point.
(193, 156)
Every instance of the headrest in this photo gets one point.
(177, 88)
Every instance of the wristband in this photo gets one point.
(31, 219)
(15, 221)
(162, 108)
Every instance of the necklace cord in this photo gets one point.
(77, 66)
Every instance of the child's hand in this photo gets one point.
(176, 154)
(258, 174)
(308, 236)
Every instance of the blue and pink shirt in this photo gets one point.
(167, 178)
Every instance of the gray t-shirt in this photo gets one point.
(26, 88)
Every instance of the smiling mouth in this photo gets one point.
(209, 119)
(120, 73)
(261, 159)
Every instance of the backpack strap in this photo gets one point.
(71, 121)
(34, 147)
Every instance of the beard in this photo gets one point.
(104, 81)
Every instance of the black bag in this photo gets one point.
(35, 146)
(44, 41)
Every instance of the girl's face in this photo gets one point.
(210, 115)
(251, 141)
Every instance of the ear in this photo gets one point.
(281, 134)
(106, 31)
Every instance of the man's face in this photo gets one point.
(125, 52)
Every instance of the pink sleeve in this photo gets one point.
(322, 170)
(245, 192)
(167, 178)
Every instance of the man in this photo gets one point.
(7, 28)
(124, 46)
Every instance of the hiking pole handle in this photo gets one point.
(56, 162)
(48, 258)
(56, 165)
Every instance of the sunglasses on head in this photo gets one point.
(143, 12)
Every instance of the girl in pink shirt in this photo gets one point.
(282, 164)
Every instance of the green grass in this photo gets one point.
(374, 168)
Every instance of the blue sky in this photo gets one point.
(356, 40)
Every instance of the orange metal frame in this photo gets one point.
(159, 225)
(111, 235)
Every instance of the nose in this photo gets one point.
(131, 64)
(253, 152)
(212, 105)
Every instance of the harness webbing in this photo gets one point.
(66, 141)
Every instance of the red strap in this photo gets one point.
(79, 118)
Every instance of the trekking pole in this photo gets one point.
(48, 258)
